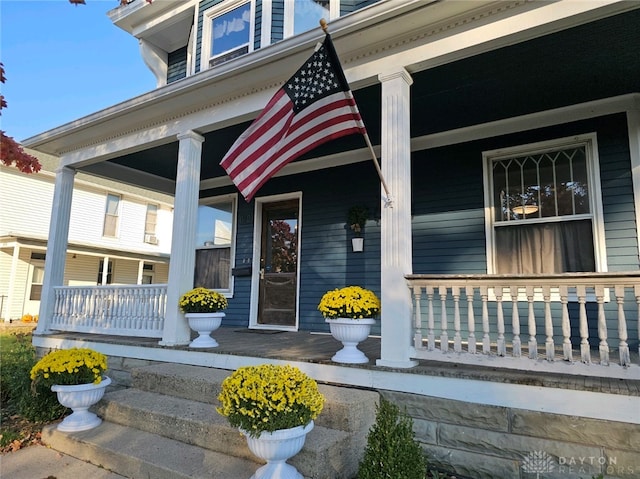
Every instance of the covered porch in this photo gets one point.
(544, 323)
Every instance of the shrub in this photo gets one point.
(18, 356)
(392, 452)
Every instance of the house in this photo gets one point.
(118, 235)
(508, 133)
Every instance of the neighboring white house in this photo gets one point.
(127, 229)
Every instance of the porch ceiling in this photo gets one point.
(581, 64)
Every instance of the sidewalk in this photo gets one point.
(41, 462)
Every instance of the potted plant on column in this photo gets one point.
(76, 376)
(274, 407)
(350, 313)
(357, 217)
(202, 307)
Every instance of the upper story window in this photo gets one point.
(227, 32)
(111, 215)
(150, 222)
(214, 243)
(544, 213)
(304, 15)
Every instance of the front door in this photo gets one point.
(277, 303)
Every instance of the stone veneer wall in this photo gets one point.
(495, 442)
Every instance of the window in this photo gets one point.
(544, 208)
(111, 216)
(214, 244)
(36, 283)
(101, 272)
(227, 32)
(304, 15)
(150, 222)
(147, 273)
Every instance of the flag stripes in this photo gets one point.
(313, 107)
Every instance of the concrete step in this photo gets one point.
(198, 424)
(166, 426)
(346, 409)
(141, 455)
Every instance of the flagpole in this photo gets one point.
(388, 202)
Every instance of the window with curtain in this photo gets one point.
(542, 208)
(214, 244)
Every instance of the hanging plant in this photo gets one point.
(357, 218)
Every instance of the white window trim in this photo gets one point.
(212, 200)
(118, 215)
(288, 26)
(207, 18)
(595, 193)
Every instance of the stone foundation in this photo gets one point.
(491, 442)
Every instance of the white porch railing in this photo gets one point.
(472, 314)
(128, 310)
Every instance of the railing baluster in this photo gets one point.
(515, 322)
(625, 359)
(444, 334)
(486, 339)
(417, 324)
(502, 347)
(123, 310)
(457, 338)
(531, 320)
(585, 350)
(431, 335)
(566, 326)
(602, 327)
(548, 324)
(471, 323)
(550, 302)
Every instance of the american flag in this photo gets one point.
(313, 107)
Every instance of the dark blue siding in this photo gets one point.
(177, 65)
(326, 259)
(448, 217)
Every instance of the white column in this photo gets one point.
(105, 271)
(56, 245)
(183, 243)
(396, 249)
(11, 300)
(140, 271)
(633, 122)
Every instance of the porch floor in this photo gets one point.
(319, 348)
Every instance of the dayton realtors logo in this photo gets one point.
(538, 462)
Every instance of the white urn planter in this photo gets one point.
(79, 398)
(350, 332)
(204, 324)
(357, 244)
(276, 448)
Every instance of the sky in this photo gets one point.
(63, 62)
